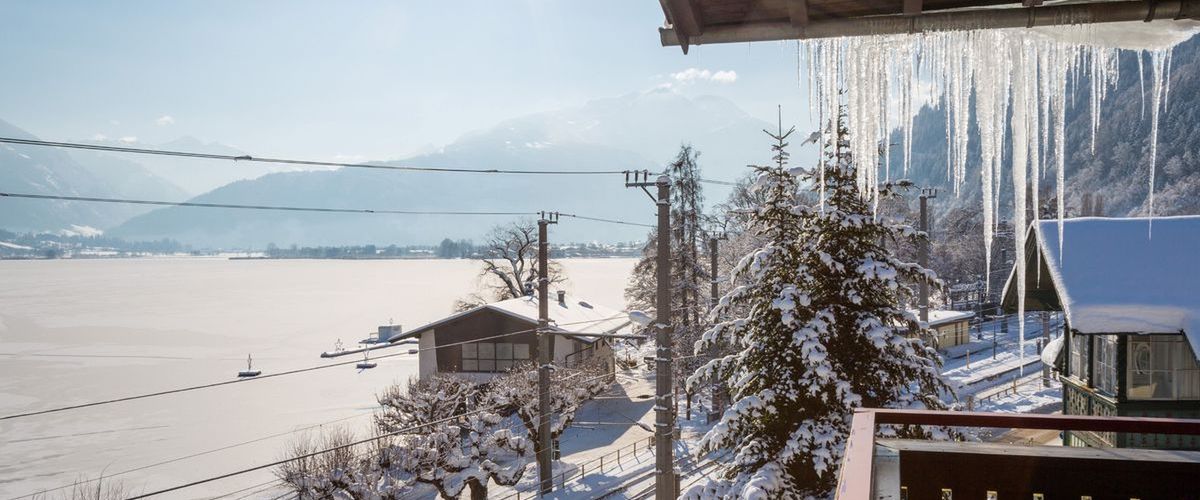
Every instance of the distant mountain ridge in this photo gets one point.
(636, 131)
(41, 170)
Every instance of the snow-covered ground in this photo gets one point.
(993, 358)
(73, 331)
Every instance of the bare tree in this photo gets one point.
(91, 489)
(509, 265)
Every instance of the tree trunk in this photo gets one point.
(478, 490)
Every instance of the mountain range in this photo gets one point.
(640, 130)
(632, 132)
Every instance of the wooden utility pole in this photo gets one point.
(545, 356)
(923, 252)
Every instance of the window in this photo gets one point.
(492, 356)
(1162, 367)
(1080, 346)
(1105, 371)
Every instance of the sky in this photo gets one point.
(352, 80)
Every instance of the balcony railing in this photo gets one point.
(980, 470)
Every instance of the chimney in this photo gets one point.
(562, 298)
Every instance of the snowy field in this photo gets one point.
(74, 331)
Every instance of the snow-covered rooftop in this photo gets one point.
(939, 317)
(1123, 275)
(572, 315)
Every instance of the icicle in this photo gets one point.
(1142, 82)
(1059, 105)
(1019, 123)
(1158, 63)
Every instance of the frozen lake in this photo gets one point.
(73, 331)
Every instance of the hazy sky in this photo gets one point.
(354, 79)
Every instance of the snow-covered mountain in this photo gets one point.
(636, 131)
(40, 170)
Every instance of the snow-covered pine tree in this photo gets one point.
(822, 335)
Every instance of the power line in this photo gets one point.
(269, 375)
(611, 221)
(287, 161)
(254, 207)
(406, 430)
(194, 455)
(186, 389)
(299, 209)
(722, 183)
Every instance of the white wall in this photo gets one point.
(428, 355)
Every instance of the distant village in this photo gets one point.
(71, 244)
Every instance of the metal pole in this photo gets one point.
(545, 358)
(664, 487)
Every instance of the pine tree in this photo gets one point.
(814, 333)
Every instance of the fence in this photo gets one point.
(595, 466)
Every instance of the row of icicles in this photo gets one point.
(1021, 83)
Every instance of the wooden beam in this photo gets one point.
(685, 19)
(912, 7)
(798, 12)
(995, 18)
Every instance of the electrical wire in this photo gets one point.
(254, 207)
(530, 330)
(612, 221)
(406, 430)
(260, 377)
(722, 183)
(287, 161)
(285, 208)
(198, 454)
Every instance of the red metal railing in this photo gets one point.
(854, 480)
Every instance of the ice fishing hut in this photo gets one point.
(476, 344)
(1130, 292)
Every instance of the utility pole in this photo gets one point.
(664, 404)
(719, 396)
(923, 251)
(545, 355)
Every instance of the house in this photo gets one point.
(950, 328)
(481, 342)
(1130, 293)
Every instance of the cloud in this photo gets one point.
(164, 120)
(729, 76)
(99, 137)
(129, 139)
(692, 75)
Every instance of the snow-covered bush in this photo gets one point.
(813, 332)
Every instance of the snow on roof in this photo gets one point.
(572, 315)
(1124, 276)
(939, 317)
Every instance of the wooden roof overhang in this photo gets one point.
(698, 22)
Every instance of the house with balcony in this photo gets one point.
(493, 338)
(1130, 292)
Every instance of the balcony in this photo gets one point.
(897, 469)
